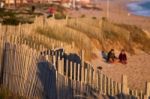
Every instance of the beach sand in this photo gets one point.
(137, 70)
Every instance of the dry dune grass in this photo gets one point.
(116, 36)
(111, 34)
(68, 35)
(90, 21)
(88, 34)
(129, 36)
(106, 34)
(91, 28)
(86, 28)
(138, 36)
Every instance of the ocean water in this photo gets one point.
(141, 8)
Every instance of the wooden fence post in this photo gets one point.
(67, 67)
(97, 79)
(100, 82)
(82, 58)
(92, 75)
(108, 86)
(124, 85)
(148, 88)
(78, 78)
(104, 84)
(82, 73)
(71, 65)
(62, 66)
(112, 87)
(86, 75)
(46, 57)
(116, 91)
(119, 88)
(89, 74)
(141, 94)
(54, 61)
(75, 66)
(94, 79)
(147, 91)
(59, 65)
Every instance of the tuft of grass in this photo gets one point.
(83, 16)
(64, 34)
(138, 36)
(59, 15)
(89, 29)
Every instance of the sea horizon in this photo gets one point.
(141, 8)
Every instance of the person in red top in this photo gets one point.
(51, 10)
(123, 57)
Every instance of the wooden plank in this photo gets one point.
(75, 68)
(112, 87)
(71, 69)
(104, 84)
(115, 88)
(62, 66)
(67, 69)
(86, 76)
(108, 86)
(82, 74)
(78, 72)
(124, 84)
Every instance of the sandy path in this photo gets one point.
(137, 70)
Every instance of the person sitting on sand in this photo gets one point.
(111, 56)
(123, 57)
(104, 55)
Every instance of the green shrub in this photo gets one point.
(11, 21)
(60, 15)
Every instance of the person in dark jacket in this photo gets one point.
(111, 56)
(123, 57)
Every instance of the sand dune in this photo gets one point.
(138, 67)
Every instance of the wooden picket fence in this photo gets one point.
(50, 75)
(36, 72)
(99, 82)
